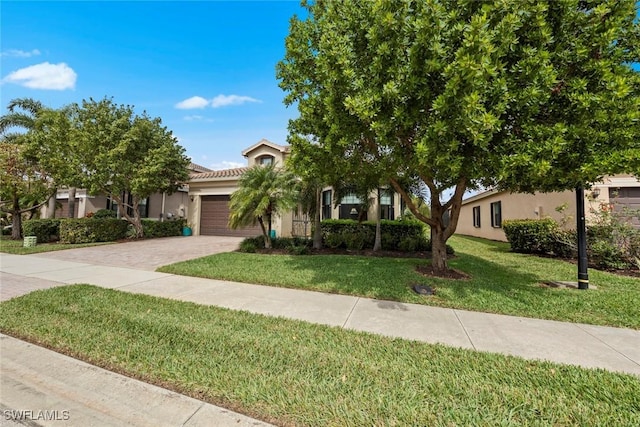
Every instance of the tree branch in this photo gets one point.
(412, 207)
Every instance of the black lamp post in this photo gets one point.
(581, 228)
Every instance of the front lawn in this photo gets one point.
(295, 373)
(501, 281)
(15, 246)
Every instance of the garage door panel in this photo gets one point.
(214, 219)
(626, 197)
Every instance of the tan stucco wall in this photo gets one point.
(176, 204)
(538, 205)
(265, 150)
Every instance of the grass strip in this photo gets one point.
(15, 247)
(501, 281)
(296, 373)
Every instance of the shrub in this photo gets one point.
(530, 235)
(350, 234)
(46, 230)
(90, 230)
(248, 246)
(153, 228)
(252, 244)
(104, 213)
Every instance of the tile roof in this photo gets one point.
(194, 167)
(224, 173)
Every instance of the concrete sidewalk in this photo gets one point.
(589, 346)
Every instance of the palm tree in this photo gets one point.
(263, 192)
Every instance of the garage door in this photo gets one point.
(626, 197)
(214, 219)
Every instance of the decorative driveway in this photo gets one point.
(148, 254)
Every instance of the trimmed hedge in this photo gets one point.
(89, 230)
(407, 236)
(46, 230)
(153, 228)
(104, 214)
(539, 236)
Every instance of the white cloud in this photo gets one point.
(197, 118)
(44, 76)
(225, 100)
(226, 165)
(191, 103)
(20, 53)
(217, 102)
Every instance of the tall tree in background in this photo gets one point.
(122, 154)
(24, 184)
(468, 94)
(263, 192)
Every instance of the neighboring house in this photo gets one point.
(210, 192)
(482, 214)
(157, 206)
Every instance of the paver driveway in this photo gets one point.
(148, 254)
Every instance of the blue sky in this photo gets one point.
(206, 68)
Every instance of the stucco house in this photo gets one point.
(157, 206)
(210, 192)
(482, 214)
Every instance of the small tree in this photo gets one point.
(263, 192)
(119, 153)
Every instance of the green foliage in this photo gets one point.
(104, 213)
(467, 94)
(249, 245)
(46, 230)
(612, 241)
(89, 230)
(353, 235)
(163, 229)
(263, 191)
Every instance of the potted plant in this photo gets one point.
(187, 229)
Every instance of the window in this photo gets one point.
(265, 160)
(386, 204)
(326, 204)
(351, 208)
(476, 216)
(496, 214)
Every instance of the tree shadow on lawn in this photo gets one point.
(489, 281)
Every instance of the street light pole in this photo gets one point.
(581, 228)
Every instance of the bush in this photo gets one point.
(46, 230)
(248, 246)
(530, 235)
(104, 213)
(252, 244)
(350, 234)
(153, 228)
(90, 230)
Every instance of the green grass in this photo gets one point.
(295, 373)
(501, 281)
(15, 246)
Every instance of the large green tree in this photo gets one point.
(263, 192)
(123, 154)
(467, 94)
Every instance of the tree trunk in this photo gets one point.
(16, 219)
(438, 250)
(51, 209)
(317, 227)
(72, 203)
(377, 244)
(137, 221)
(267, 236)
